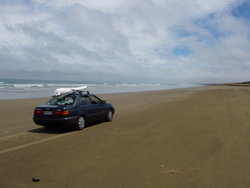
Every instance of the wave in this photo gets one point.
(27, 85)
(62, 85)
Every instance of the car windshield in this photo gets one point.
(62, 100)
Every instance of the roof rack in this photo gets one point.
(87, 92)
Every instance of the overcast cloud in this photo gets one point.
(167, 41)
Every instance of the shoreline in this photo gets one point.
(104, 93)
(50, 92)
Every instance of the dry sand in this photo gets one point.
(183, 138)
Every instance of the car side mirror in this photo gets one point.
(104, 102)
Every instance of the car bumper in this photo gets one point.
(65, 121)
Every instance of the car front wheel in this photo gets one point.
(109, 115)
(80, 123)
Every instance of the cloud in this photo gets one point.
(136, 40)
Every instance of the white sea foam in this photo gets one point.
(64, 85)
(27, 85)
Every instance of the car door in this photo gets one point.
(86, 108)
(98, 107)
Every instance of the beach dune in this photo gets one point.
(196, 137)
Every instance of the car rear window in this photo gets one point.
(62, 100)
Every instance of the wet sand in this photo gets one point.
(183, 138)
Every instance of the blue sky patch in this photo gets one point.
(183, 33)
(182, 51)
(243, 10)
(210, 25)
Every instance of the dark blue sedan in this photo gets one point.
(74, 109)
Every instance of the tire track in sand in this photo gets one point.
(33, 143)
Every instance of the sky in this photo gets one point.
(156, 41)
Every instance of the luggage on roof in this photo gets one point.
(61, 91)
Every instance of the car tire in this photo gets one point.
(109, 115)
(80, 123)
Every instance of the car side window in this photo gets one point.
(85, 100)
(95, 100)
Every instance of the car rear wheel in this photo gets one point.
(109, 115)
(80, 123)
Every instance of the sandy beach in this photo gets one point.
(183, 138)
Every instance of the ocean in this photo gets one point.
(20, 89)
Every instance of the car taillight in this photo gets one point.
(57, 112)
(38, 112)
(54, 112)
(65, 112)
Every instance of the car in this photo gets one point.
(73, 108)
